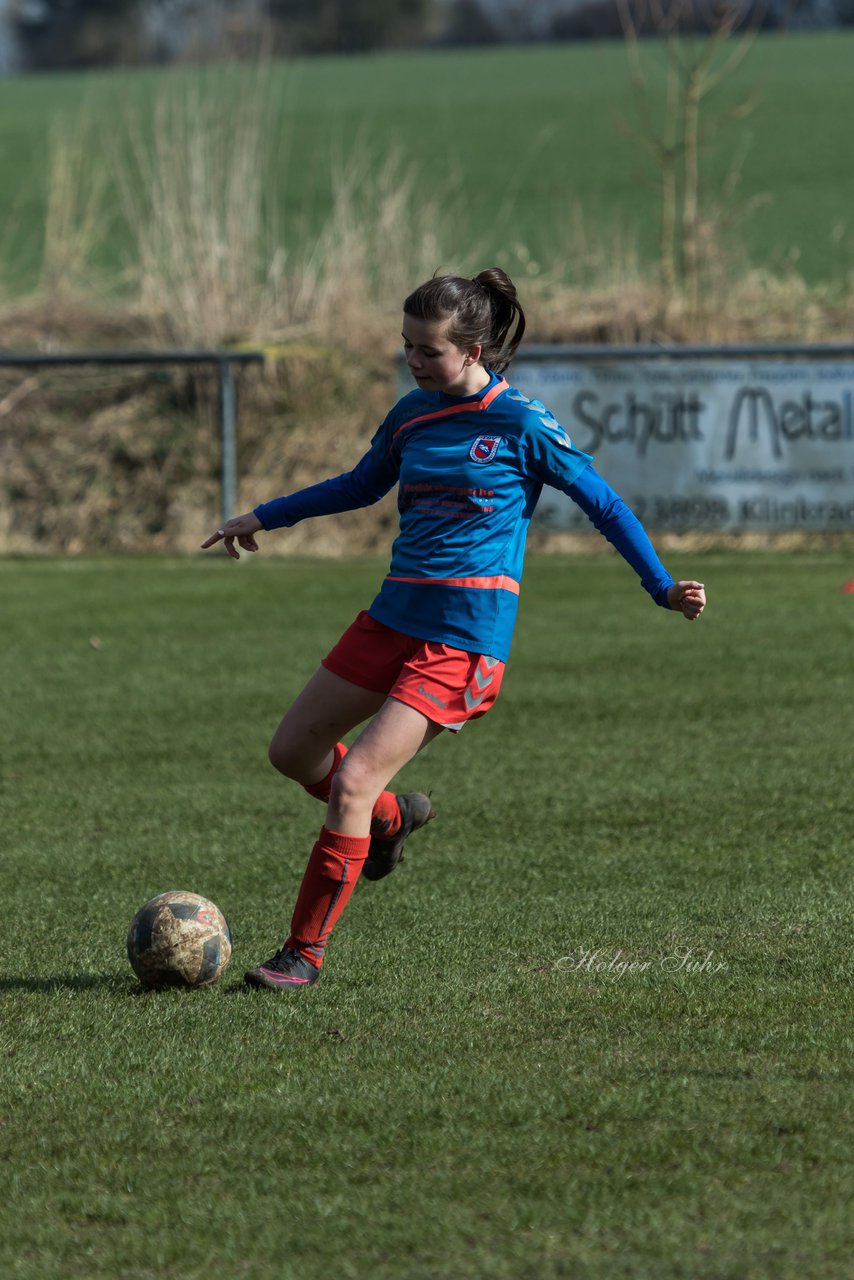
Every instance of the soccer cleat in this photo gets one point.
(416, 810)
(284, 972)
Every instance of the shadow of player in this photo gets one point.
(74, 982)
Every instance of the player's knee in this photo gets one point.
(352, 785)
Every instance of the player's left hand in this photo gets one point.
(239, 528)
(687, 598)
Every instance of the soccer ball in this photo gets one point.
(179, 940)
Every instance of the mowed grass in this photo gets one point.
(522, 147)
(475, 1088)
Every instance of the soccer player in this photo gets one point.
(470, 455)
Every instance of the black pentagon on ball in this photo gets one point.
(142, 933)
(211, 960)
(179, 939)
(182, 910)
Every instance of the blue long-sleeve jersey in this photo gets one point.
(470, 471)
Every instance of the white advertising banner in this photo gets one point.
(707, 444)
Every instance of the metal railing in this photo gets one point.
(652, 351)
(222, 360)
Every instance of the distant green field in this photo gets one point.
(475, 1090)
(518, 142)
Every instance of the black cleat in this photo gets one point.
(285, 971)
(416, 810)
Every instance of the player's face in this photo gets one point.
(436, 363)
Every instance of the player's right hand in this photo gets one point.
(240, 529)
(687, 598)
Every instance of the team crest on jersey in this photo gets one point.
(485, 448)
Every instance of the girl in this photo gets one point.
(470, 455)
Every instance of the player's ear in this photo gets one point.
(474, 353)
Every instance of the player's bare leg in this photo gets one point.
(304, 743)
(307, 747)
(393, 737)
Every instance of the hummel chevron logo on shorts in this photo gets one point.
(477, 690)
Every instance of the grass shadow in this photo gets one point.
(110, 983)
(75, 982)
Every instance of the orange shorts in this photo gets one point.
(448, 686)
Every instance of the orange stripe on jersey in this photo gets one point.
(474, 407)
(499, 583)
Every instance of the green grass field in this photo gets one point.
(519, 142)
(458, 1098)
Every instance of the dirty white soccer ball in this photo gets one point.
(179, 939)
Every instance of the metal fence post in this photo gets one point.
(223, 361)
(227, 441)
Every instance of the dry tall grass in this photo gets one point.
(76, 211)
(129, 460)
(194, 202)
(215, 260)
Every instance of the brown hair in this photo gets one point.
(484, 311)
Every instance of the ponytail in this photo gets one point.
(484, 311)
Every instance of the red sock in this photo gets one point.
(334, 867)
(321, 790)
(385, 818)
